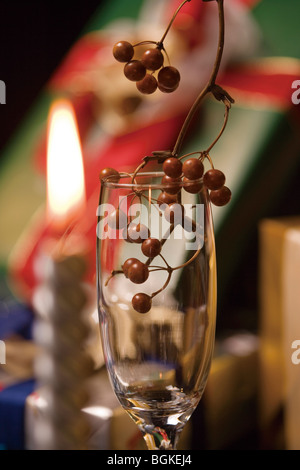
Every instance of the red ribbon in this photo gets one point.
(263, 82)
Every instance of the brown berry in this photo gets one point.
(138, 272)
(117, 219)
(193, 169)
(220, 197)
(128, 263)
(134, 70)
(165, 198)
(214, 179)
(172, 167)
(166, 90)
(147, 85)
(123, 51)
(174, 213)
(192, 187)
(151, 247)
(111, 173)
(171, 185)
(142, 302)
(137, 233)
(125, 236)
(152, 59)
(168, 78)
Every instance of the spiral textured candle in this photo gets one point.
(63, 367)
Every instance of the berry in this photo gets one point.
(142, 302)
(214, 179)
(137, 233)
(193, 169)
(110, 173)
(165, 198)
(168, 78)
(125, 235)
(152, 59)
(117, 219)
(134, 70)
(123, 51)
(147, 85)
(166, 90)
(128, 263)
(151, 247)
(172, 167)
(138, 272)
(192, 187)
(171, 185)
(174, 214)
(220, 197)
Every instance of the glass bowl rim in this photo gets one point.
(138, 185)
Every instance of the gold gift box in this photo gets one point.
(230, 397)
(279, 396)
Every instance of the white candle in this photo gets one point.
(60, 299)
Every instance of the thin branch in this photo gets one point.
(191, 153)
(172, 20)
(209, 85)
(140, 167)
(221, 131)
(112, 274)
(221, 41)
(165, 284)
(189, 261)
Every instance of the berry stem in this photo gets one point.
(165, 261)
(112, 274)
(210, 84)
(168, 58)
(144, 42)
(221, 41)
(163, 241)
(227, 108)
(191, 153)
(189, 261)
(171, 22)
(170, 270)
(125, 197)
(140, 167)
(210, 160)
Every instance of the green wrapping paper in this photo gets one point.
(256, 143)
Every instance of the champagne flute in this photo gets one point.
(156, 284)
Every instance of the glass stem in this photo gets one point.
(162, 439)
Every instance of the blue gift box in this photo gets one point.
(15, 319)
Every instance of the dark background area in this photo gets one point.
(34, 38)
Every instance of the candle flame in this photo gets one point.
(65, 173)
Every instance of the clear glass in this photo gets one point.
(158, 361)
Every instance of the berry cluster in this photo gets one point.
(134, 269)
(189, 175)
(192, 174)
(142, 71)
(184, 172)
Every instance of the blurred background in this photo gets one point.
(49, 52)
